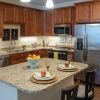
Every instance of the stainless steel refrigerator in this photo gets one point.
(87, 46)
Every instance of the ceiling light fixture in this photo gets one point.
(49, 4)
(25, 0)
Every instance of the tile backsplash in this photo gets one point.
(50, 40)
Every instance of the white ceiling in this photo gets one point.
(40, 4)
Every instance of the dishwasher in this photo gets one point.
(4, 60)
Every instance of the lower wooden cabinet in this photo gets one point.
(21, 57)
(43, 53)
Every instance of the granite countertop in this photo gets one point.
(5, 52)
(19, 75)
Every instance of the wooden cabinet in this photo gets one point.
(29, 19)
(48, 23)
(33, 22)
(18, 58)
(83, 12)
(38, 23)
(1, 20)
(21, 57)
(95, 11)
(28, 22)
(8, 13)
(20, 13)
(62, 15)
(43, 53)
(57, 16)
(66, 15)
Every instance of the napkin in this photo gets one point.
(37, 76)
(62, 66)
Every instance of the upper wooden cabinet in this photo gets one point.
(47, 23)
(29, 19)
(8, 13)
(62, 15)
(1, 20)
(83, 12)
(20, 13)
(28, 22)
(37, 23)
(66, 15)
(33, 22)
(95, 11)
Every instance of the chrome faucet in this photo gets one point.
(12, 47)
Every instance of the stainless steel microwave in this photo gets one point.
(62, 29)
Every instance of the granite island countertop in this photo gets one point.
(19, 75)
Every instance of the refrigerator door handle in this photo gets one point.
(86, 50)
(85, 47)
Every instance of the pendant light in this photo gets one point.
(49, 4)
(25, 0)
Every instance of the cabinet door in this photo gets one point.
(83, 12)
(66, 15)
(19, 57)
(62, 15)
(1, 20)
(48, 23)
(37, 23)
(43, 53)
(8, 13)
(21, 15)
(28, 22)
(57, 16)
(30, 25)
(95, 11)
(33, 22)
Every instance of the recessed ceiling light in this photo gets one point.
(25, 0)
(49, 4)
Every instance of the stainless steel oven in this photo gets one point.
(56, 54)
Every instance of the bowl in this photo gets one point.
(32, 63)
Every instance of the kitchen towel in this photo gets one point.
(55, 55)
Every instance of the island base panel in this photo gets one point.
(51, 93)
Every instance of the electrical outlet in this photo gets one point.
(69, 40)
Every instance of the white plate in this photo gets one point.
(62, 66)
(49, 76)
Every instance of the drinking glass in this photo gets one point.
(69, 57)
(47, 64)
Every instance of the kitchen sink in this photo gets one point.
(14, 51)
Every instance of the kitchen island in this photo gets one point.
(15, 81)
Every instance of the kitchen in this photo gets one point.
(31, 28)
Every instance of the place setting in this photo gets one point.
(44, 76)
(67, 66)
